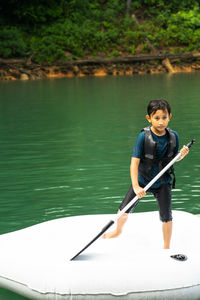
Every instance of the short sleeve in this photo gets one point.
(139, 146)
(177, 142)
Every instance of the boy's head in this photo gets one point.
(159, 115)
(159, 104)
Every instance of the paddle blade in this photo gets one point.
(110, 223)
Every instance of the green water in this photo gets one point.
(66, 145)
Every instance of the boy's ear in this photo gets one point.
(170, 116)
(148, 118)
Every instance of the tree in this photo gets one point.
(128, 6)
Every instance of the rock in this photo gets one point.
(24, 76)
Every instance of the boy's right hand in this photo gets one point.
(139, 191)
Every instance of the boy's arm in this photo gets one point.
(139, 191)
(184, 151)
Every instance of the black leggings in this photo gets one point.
(163, 197)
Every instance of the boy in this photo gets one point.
(155, 147)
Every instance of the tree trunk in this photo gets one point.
(128, 7)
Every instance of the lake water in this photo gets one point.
(66, 145)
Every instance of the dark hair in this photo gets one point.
(159, 104)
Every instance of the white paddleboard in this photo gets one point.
(35, 262)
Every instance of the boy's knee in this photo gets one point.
(167, 217)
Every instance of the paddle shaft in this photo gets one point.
(133, 202)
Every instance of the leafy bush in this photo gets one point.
(183, 29)
(71, 29)
(54, 41)
(12, 43)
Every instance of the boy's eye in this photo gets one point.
(157, 118)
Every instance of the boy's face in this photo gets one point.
(159, 121)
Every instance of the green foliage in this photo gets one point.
(59, 38)
(189, 18)
(183, 29)
(71, 29)
(12, 43)
(32, 12)
(155, 7)
(55, 40)
(132, 50)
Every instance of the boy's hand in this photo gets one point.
(139, 191)
(184, 151)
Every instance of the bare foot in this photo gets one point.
(120, 223)
(111, 234)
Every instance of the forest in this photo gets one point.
(65, 30)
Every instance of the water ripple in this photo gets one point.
(52, 188)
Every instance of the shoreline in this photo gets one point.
(25, 69)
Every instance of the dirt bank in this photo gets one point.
(23, 69)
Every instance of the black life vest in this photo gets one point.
(149, 160)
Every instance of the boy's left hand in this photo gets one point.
(184, 151)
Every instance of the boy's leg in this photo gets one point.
(163, 196)
(167, 233)
(122, 220)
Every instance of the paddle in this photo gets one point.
(133, 202)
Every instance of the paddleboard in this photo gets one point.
(35, 261)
